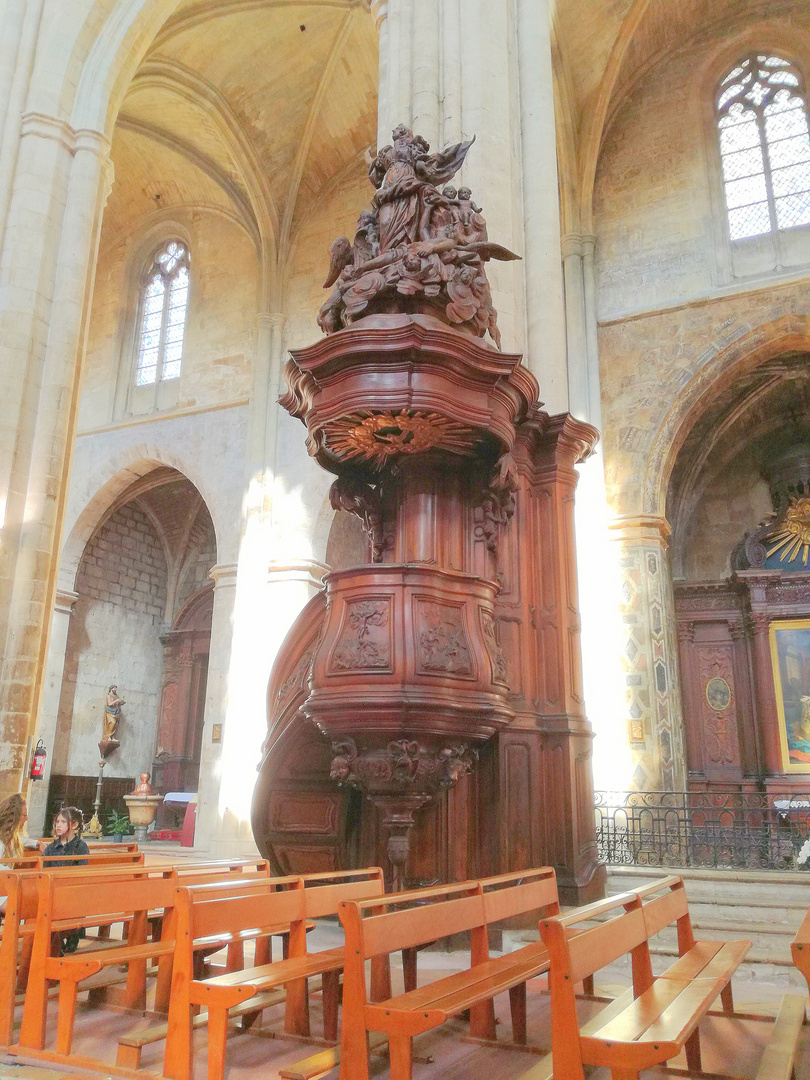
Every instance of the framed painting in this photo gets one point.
(790, 656)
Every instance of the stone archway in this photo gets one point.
(137, 591)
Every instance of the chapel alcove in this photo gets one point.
(738, 497)
(142, 621)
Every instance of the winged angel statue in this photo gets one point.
(418, 248)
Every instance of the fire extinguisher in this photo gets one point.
(38, 761)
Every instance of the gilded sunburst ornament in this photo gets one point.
(376, 437)
(793, 535)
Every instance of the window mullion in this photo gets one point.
(164, 329)
(766, 167)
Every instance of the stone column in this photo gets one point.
(49, 713)
(650, 655)
(580, 324)
(216, 702)
(46, 268)
(545, 317)
(21, 25)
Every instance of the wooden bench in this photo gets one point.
(112, 896)
(372, 930)
(655, 1019)
(21, 887)
(131, 1045)
(202, 911)
(800, 949)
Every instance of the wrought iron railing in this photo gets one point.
(751, 830)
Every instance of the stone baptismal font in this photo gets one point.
(425, 711)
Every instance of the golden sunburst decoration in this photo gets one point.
(793, 535)
(376, 437)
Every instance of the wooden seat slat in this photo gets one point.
(443, 993)
(646, 1012)
(777, 1060)
(715, 958)
(269, 975)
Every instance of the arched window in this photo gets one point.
(164, 301)
(764, 146)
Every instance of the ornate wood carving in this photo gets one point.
(365, 641)
(726, 640)
(445, 675)
(442, 641)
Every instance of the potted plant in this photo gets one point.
(118, 826)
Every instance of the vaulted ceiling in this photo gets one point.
(252, 107)
(257, 107)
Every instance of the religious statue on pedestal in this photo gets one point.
(112, 714)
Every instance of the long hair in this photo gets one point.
(73, 816)
(12, 814)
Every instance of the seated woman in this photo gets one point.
(68, 825)
(13, 816)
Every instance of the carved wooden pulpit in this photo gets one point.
(425, 710)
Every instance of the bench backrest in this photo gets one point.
(203, 911)
(516, 894)
(228, 866)
(65, 896)
(434, 913)
(95, 858)
(324, 893)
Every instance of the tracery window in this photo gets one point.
(764, 146)
(164, 302)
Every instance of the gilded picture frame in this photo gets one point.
(790, 659)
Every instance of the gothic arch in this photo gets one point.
(114, 476)
(790, 333)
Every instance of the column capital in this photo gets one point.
(51, 127)
(94, 141)
(641, 528)
(271, 318)
(223, 575)
(309, 571)
(379, 11)
(65, 599)
(571, 244)
(48, 127)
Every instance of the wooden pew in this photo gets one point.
(292, 902)
(654, 1020)
(111, 896)
(372, 930)
(16, 942)
(131, 1045)
(800, 948)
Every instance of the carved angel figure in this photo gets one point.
(419, 248)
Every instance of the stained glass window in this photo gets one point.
(764, 146)
(163, 319)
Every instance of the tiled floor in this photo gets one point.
(731, 1047)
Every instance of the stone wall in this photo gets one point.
(220, 325)
(113, 638)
